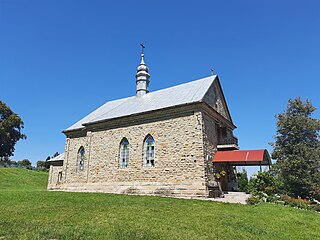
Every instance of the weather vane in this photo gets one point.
(142, 47)
(212, 71)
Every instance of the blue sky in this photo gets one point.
(60, 60)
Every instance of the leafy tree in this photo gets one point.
(42, 165)
(25, 163)
(243, 180)
(264, 182)
(297, 148)
(13, 163)
(5, 161)
(10, 130)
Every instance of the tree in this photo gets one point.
(43, 165)
(13, 163)
(243, 180)
(5, 161)
(264, 183)
(10, 130)
(25, 163)
(297, 148)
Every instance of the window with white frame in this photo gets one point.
(149, 151)
(124, 153)
(81, 158)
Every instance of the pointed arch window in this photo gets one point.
(81, 158)
(149, 151)
(124, 153)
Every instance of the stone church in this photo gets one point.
(153, 143)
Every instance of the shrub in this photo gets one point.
(253, 200)
(264, 182)
(293, 203)
(296, 202)
(286, 199)
(315, 194)
(273, 198)
(243, 180)
(316, 208)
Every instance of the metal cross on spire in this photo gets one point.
(142, 76)
(142, 47)
(212, 71)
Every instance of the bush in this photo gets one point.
(264, 182)
(315, 194)
(43, 165)
(273, 198)
(316, 207)
(253, 200)
(265, 188)
(296, 202)
(243, 180)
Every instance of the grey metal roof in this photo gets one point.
(181, 94)
(57, 158)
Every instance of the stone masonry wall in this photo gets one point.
(53, 177)
(179, 159)
(210, 142)
(210, 146)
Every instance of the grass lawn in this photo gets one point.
(28, 211)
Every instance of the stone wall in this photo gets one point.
(210, 146)
(179, 156)
(53, 181)
(210, 140)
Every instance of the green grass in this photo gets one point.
(13, 179)
(28, 211)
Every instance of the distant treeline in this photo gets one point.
(26, 163)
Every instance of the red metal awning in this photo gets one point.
(243, 157)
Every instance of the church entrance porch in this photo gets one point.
(227, 161)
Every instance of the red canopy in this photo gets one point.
(243, 157)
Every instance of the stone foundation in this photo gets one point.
(139, 188)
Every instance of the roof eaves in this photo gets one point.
(221, 117)
(73, 129)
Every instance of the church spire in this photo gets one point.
(142, 76)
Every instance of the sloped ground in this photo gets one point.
(28, 211)
(14, 179)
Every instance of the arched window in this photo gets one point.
(149, 151)
(124, 153)
(81, 157)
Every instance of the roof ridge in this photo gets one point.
(179, 85)
(185, 93)
(162, 89)
(214, 77)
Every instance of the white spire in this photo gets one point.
(142, 82)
